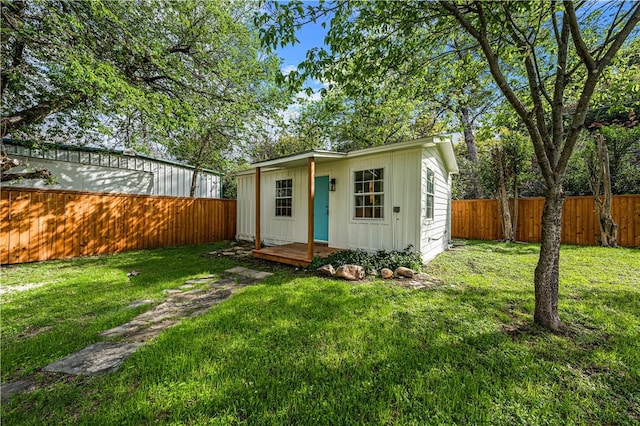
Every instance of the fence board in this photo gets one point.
(479, 219)
(46, 224)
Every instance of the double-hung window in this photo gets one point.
(430, 190)
(369, 194)
(284, 197)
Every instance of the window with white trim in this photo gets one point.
(284, 197)
(430, 191)
(369, 194)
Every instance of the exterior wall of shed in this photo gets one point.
(435, 233)
(103, 172)
(404, 187)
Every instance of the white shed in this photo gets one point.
(387, 197)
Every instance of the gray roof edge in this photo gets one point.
(19, 142)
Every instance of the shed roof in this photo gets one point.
(443, 143)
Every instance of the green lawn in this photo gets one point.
(299, 349)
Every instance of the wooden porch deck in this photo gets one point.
(293, 254)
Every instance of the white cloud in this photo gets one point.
(287, 69)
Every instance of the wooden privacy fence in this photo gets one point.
(44, 224)
(480, 219)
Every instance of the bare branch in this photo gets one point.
(578, 41)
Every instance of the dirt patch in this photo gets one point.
(34, 332)
(418, 282)
(19, 288)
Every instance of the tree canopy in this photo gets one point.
(155, 71)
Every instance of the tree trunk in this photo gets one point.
(472, 151)
(608, 228)
(516, 195)
(546, 274)
(194, 180)
(502, 194)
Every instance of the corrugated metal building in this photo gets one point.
(103, 170)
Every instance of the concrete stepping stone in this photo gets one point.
(11, 388)
(137, 303)
(258, 275)
(161, 312)
(237, 270)
(124, 329)
(202, 280)
(249, 273)
(222, 282)
(99, 358)
(104, 357)
(147, 334)
(192, 292)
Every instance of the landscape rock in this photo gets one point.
(326, 270)
(350, 272)
(386, 273)
(401, 271)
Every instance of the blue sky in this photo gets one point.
(309, 36)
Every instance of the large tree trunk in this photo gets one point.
(547, 271)
(472, 151)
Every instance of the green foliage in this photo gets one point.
(515, 152)
(408, 258)
(188, 75)
(379, 116)
(623, 145)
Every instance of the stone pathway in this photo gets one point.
(185, 302)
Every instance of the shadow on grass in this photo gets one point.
(314, 351)
(327, 353)
(87, 296)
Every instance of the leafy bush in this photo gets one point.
(372, 261)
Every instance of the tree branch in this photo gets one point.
(560, 83)
(35, 113)
(578, 41)
(590, 85)
(496, 72)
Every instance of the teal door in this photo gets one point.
(321, 209)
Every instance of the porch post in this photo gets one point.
(257, 208)
(312, 175)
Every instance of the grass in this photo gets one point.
(299, 349)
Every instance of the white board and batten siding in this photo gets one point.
(435, 233)
(404, 188)
(111, 172)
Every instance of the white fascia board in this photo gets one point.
(298, 159)
(424, 142)
(445, 146)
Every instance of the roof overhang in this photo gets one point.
(445, 146)
(442, 143)
(300, 159)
